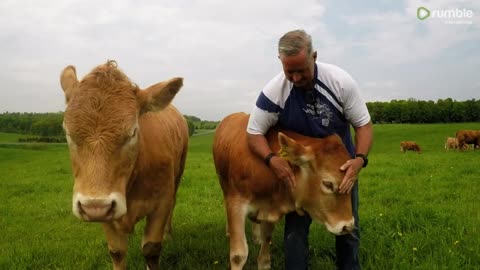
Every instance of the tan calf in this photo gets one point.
(250, 189)
(410, 145)
(451, 143)
(127, 148)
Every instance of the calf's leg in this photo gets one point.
(236, 214)
(264, 260)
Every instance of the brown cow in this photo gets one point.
(451, 143)
(250, 189)
(466, 137)
(410, 145)
(127, 148)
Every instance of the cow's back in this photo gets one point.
(468, 137)
(236, 164)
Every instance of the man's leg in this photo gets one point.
(296, 241)
(347, 246)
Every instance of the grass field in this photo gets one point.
(417, 211)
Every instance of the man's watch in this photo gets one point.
(364, 157)
(266, 160)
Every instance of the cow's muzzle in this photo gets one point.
(342, 227)
(98, 209)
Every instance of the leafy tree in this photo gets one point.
(191, 127)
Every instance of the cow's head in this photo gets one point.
(101, 122)
(318, 176)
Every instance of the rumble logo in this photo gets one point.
(450, 16)
(423, 13)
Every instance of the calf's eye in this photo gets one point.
(328, 185)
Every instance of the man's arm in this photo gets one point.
(363, 138)
(363, 143)
(259, 146)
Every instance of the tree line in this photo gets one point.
(420, 111)
(394, 111)
(48, 126)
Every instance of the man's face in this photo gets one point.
(299, 68)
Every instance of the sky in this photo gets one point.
(226, 51)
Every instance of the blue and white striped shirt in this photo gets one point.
(330, 108)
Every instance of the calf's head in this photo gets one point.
(318, 176)
(101, 123)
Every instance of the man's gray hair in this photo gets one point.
(295, 41)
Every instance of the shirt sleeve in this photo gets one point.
(269, 105)
(355, 108)
(261, 119)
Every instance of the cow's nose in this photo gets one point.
(97, 210)
(346, 229)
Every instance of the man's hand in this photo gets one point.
(351, 168)
(282, 170)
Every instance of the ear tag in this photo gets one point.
(283, 153)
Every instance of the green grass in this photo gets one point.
(417, 211)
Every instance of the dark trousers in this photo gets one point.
(296, 241)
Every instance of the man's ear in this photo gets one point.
(68, 81)
(159, 96)
(294, 152)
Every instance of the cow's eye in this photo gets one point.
(134, 133)
(329, 185)
(131, 136)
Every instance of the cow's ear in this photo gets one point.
(159, 96)
(294, 152)
(68, 81)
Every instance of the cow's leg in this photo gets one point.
(257, 233)
(236, 214)
(154, 232)
(155, 228)
(117, 245)
(152, 240)
(264, 258)
(227, 233)
(168, 233)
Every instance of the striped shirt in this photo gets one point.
(331, 107)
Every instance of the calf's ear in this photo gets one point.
(68, 81)
(294, 152)
(159, 96)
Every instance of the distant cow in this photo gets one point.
(451, 143)
(410, 145)
(250, 188)
(465, 137)
(127, 148)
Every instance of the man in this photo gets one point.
(313, 99)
